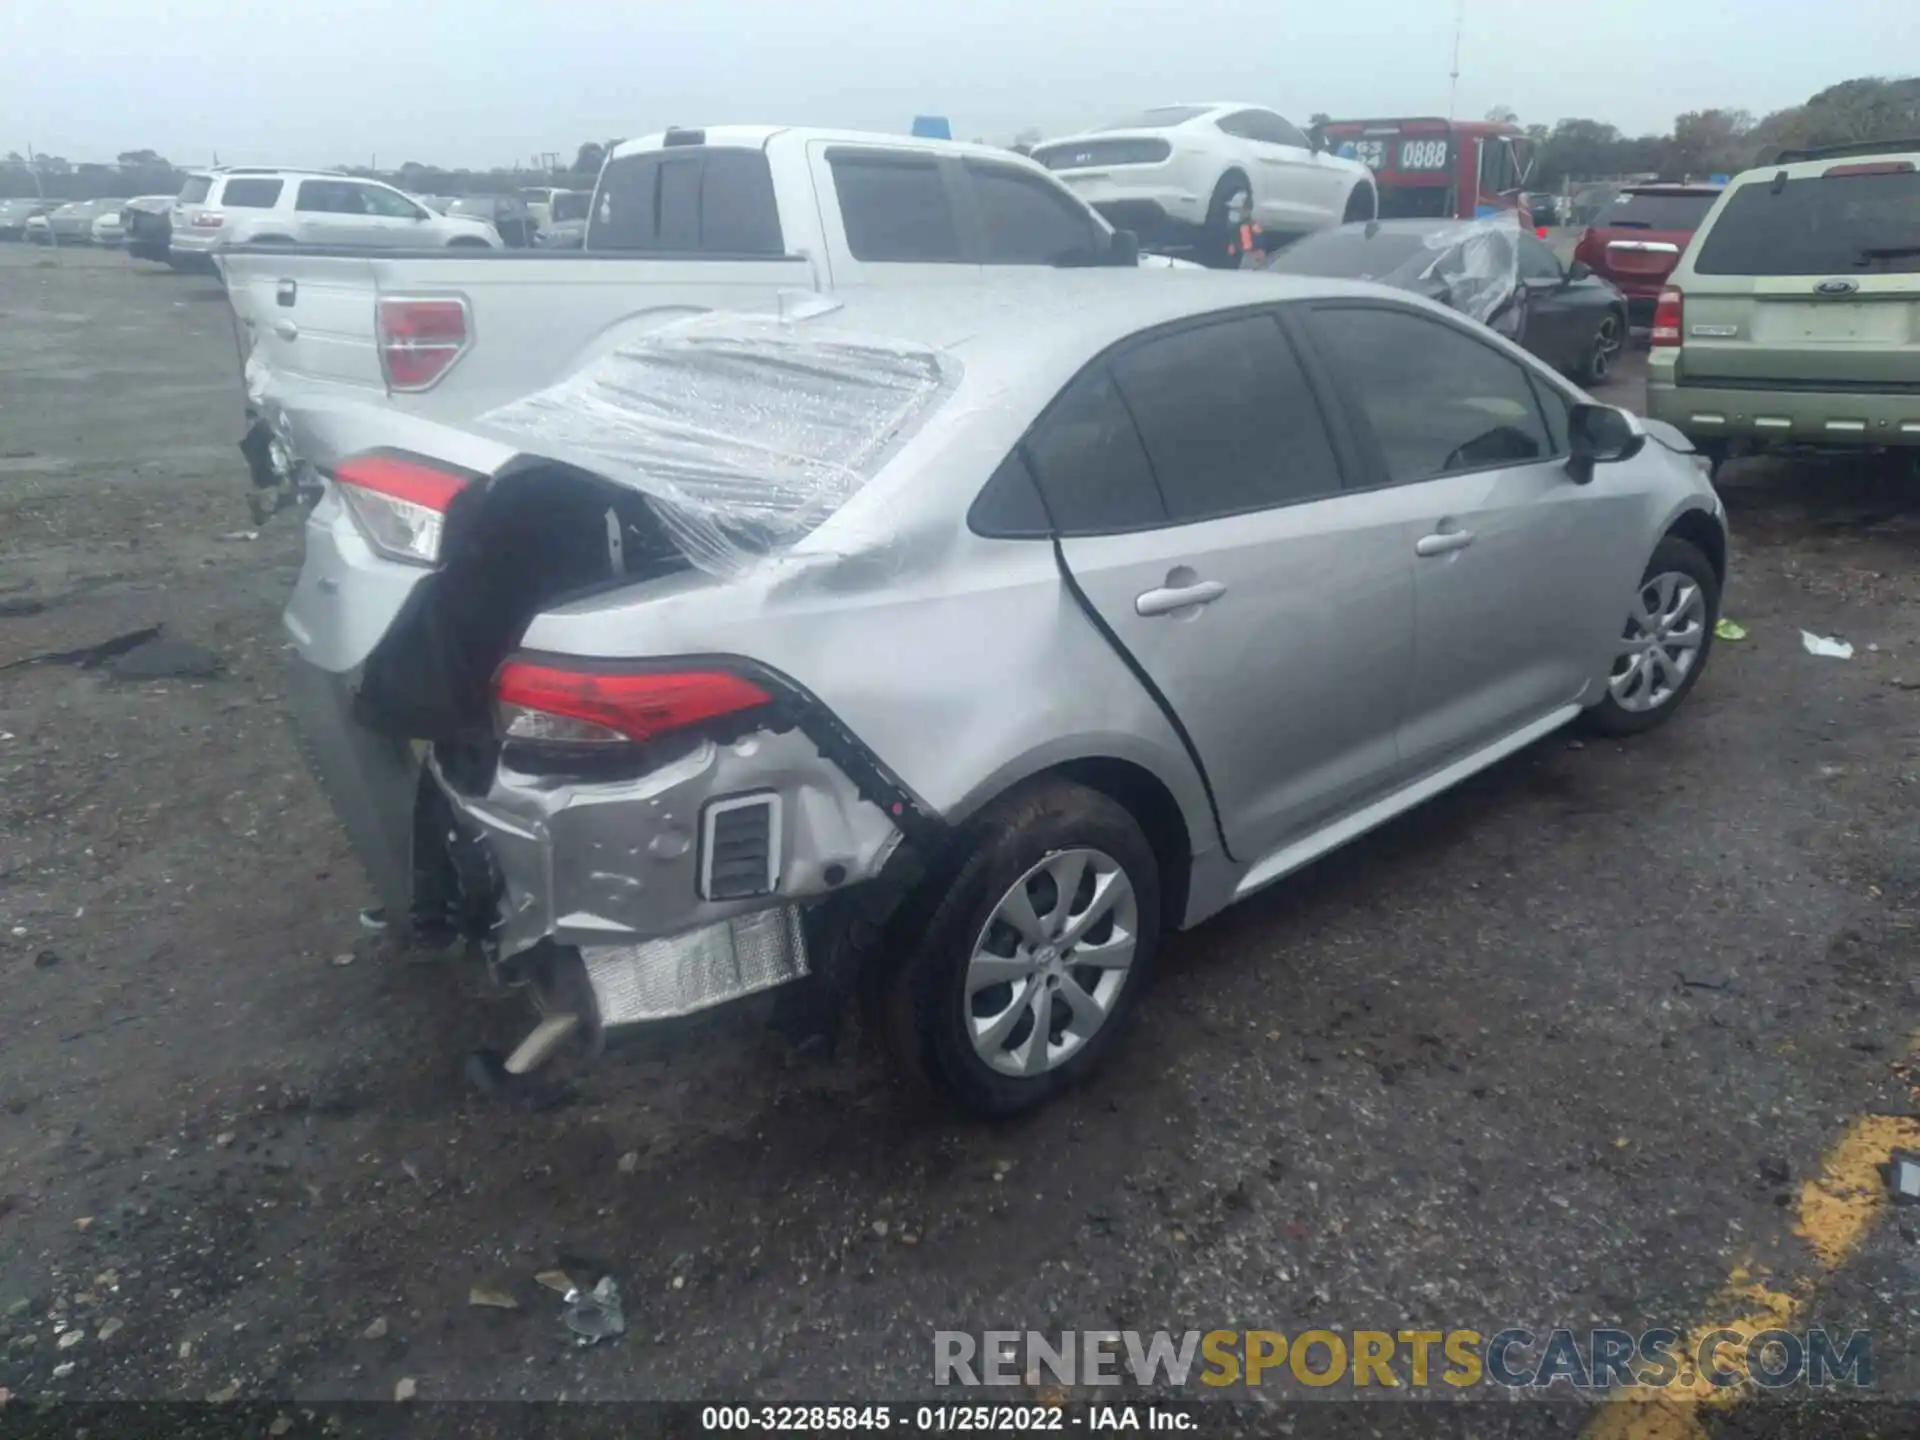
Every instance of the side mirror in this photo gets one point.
(1579, 271)
(1123, 250)
(1600, 435)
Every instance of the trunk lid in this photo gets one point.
(1638, 239)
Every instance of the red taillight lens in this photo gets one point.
(400, 504)
(1667, 317)
(1880, 167)
(208, 220)
(547, 703)
(420, 339)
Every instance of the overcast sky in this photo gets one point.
(481, 82)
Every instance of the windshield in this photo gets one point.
(1823, 225)
(1352, 254)
(1657, 210)
(1158, 118)
(572, 205)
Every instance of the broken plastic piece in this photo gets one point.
(747, 431)
(1823, 645)
(546, 1037)
(1903, 1173)
(595, 1315)
(1726, 629)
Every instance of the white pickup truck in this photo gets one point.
(345, 348)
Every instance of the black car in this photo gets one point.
(508, 214)
(148, 222)
(1494, 271)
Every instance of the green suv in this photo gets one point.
(1794, 316)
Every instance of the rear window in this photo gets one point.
(195, 190)
(1656, 210)
(687, 200)
(250, 194)
(1352, 254)
(1823, 225)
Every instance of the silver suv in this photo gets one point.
(217, 209)
(949, 645)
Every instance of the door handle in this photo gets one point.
(1444, 543)
(1166, 600)
(286, 330)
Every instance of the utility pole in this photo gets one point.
(1459, 26)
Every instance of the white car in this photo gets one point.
(1185, 175)
(218, 209)
(109, 229)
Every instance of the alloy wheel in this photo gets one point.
(1666, 631)
(1050, 962)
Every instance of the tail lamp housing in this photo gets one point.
(554, 702)
(400, 503)
(420, 338)
(1668, 317)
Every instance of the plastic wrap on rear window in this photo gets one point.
(1479, 263)
(745, 431)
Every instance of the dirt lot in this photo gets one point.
(1562, 1048)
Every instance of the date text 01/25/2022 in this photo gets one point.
(939, 1419)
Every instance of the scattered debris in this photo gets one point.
(595, 1315)
(1775, 1170)
(224, 1139)
(71, 1339)
(46, 960)
(83, 1223)
(241, 535)
(1903, 1173)
(557, 1281)
(376, 1331)
(62, 1370)
(185, 1352)
(344, 958)
(162, 659)
(15, 607)
(491, 1297)
(880, 1228)
(1001, 1169)
(225, 1393)
(1823, 645)
(405, 1389)
(1725, 629)
(110, 1329)
(89, 657)
(908, 1237)
(629, 1162)
(281, 1425)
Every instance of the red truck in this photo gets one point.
(1426, 168)
(1639, 237)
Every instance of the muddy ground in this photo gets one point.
(1558, 1049)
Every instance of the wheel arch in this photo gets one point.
(1702, 529)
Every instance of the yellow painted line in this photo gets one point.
(1836, 1209)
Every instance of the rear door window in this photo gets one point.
(895, 207)
(1027, 221)
(689, 201)
(1837, 225)
(1090, 464)
(326, 197)
(250, 194)
(195, 190)
(1228, 419)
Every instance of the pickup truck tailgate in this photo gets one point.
(307, 319)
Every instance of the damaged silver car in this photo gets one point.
(945, 648)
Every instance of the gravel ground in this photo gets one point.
(1549, 1052)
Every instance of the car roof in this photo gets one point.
(1820, 165)
(757, 137)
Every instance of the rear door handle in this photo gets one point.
(1165, 601)
(1444, 543)
(286, 329)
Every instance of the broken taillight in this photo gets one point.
(419, 339)
(553, 704)
(399, 504)
(1667, 312)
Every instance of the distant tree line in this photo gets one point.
(1701, 143)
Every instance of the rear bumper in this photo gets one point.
(1759, 418)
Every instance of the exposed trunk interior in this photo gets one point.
(516, 547)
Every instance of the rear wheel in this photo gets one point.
(1231, 207)
(1603, 351)
(1665, 643)
(1036, 949)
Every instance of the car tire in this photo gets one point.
(1217, 232)
(1362, 204)
(942, 1012)
(1641, 691)
(1604, 349)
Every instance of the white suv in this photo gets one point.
(1185, 175)
(221, 208)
